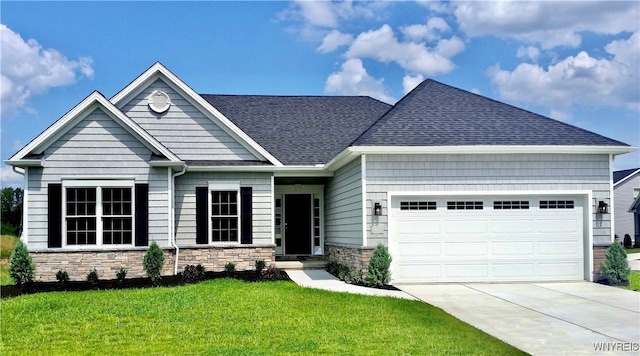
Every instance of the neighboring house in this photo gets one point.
(458, 186)
(626, 194)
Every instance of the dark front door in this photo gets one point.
(297, 224)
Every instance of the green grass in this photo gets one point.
(632, 250)
(6, 246)
(233, 317)
(634, 281)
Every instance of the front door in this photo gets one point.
(297, 224)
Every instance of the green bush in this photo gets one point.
(230, 267)
(121, 274)
(62, 276)
(193, 274)
(260, 265)
(272, 273)
(21, 267)
(615, 268)
(378, 271)
(92, 277)
(152, 262)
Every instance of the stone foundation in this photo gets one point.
(599, 253)
(356, 257)
(107, 262)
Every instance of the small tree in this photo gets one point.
(21, 267)
(378, 271)
(615, 267)
(153, 262)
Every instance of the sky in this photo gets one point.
(576, 61)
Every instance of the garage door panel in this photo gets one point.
(488, 244)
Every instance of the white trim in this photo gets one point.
(172, 217)
(224, 186)
(611, 202)
(82, 110)
(625, 178)
(363, 168)
(491, 149)
(157, 71)
(25, 205)
(282, 171)
(273, 210)
(25, 163)
(587, 213)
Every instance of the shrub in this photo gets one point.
(378, 271)
(333, 267)
(21, 267)
(615, 267)
(92, 277)
(627, 241)
(121, 274)
(272, 273)
(260, 265)
(62, 276)
(153, 262)
(192, 274)
(344, 273)
(230, 267)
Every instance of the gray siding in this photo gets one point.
(343, 205)
(185, 190)
(97, 148)
(623, 198)
(508, 172)
(186, 131)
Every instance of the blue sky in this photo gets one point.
(578, 62)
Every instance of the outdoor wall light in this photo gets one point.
(377, 209)
(603, 208)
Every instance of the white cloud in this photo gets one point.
(432, 31)
(382, 45)
(333, 40)
(26, 69)
(528, 52)
(409, 82)
(9, 178)
(550, 23)
(318, 13)
(577, 79)
(353, 79)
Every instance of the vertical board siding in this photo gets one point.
(185, 190)
(185, 130)
(623, 198)
(343, 205)
(97, 147)
(506, 172)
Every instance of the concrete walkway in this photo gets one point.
(634, 261)
(570, 318)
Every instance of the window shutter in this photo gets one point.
(54, 211)
(246, 223)
(142, 214)
(202, 235)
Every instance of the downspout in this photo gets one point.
(172, 238)
(24, 235)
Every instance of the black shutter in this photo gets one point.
(246, 222)
(54, 211)
(142, 214)
(202, 236)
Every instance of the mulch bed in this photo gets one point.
(134, 283)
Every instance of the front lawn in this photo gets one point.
(634, 281)
(227, 316)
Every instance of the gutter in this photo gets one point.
(172, 238)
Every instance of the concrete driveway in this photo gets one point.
(572, 318)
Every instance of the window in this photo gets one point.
(417, 205)
(224, 216)
(98, 213)
(556, 204)
(511, 205)
(464, 205)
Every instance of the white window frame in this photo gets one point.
(223, 186)
(98, 185)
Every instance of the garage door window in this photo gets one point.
(464, 205)
(556, 204)
(417, 205)
(511, 205)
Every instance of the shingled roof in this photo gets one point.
(620, 175)
(436, 114)
(300, 130)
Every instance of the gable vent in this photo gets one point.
(159, 101)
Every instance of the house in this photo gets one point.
(458, 186)
(626, 194)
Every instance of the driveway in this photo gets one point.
(573, 318)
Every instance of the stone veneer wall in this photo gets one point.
(356, 257)
(107, 262)
(599, 253)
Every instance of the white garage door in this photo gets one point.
(486, 238)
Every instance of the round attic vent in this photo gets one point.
(159, 101)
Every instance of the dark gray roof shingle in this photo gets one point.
(300, 130)
(620, 175)
(435, 114)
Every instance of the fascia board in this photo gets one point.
(159, 71)
(492, 149)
